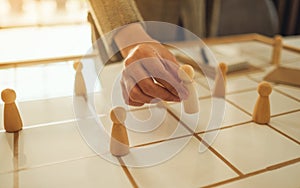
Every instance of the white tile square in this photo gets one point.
(50, 111)
(6, 150)
(283, 177)
(292, 40)
(288, 124)
(109, 75)
(278, 102)
(102, 102)
(7, 78)
(253, 147)
(236, 84)
(242, 51)
(149, 125)
(265, 51)
(289, 56)
(44, 81)
(205, 82)
(46, 110)
(293, 65)
(188, 168)
(259, 76)
(87, 172)
(256, 61)
(198, 74)
(226, 49)
(44, 145)
(206, 119)
(289, 90)
(39, 81)
(233, 84)
(201, 91)
(257, 49)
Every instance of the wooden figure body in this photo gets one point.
(220, 81)
(79, 84)
(119, 144)
(12, 118)
(277, 48)
(261, 113)
(186, 74)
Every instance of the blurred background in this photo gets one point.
(284, 14)
(289, 16)
(41, 29)
(21, 13)
(266, 17)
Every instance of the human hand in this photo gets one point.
(150, 75)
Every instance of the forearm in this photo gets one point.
(130, 36)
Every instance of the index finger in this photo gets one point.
(165, 78)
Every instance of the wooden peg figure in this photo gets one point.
(277, 48)
(220, 81)
(12, 118)
(261, 112)
(79, 85)
(186, 74)
(119, 144)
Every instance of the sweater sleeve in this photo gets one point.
(106, 16)
(111, 14)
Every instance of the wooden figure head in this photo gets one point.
(186, 73)
(8, 96)
(223, 68)
(77, 66)
(264, 89)
(278, 39)
(118, 115)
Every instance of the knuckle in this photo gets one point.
(134, 93)
(143, 49)
(139, 49)
(128, 61)
(142, 46)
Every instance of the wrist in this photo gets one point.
(130, 36)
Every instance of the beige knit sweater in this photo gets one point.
(111, 14)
